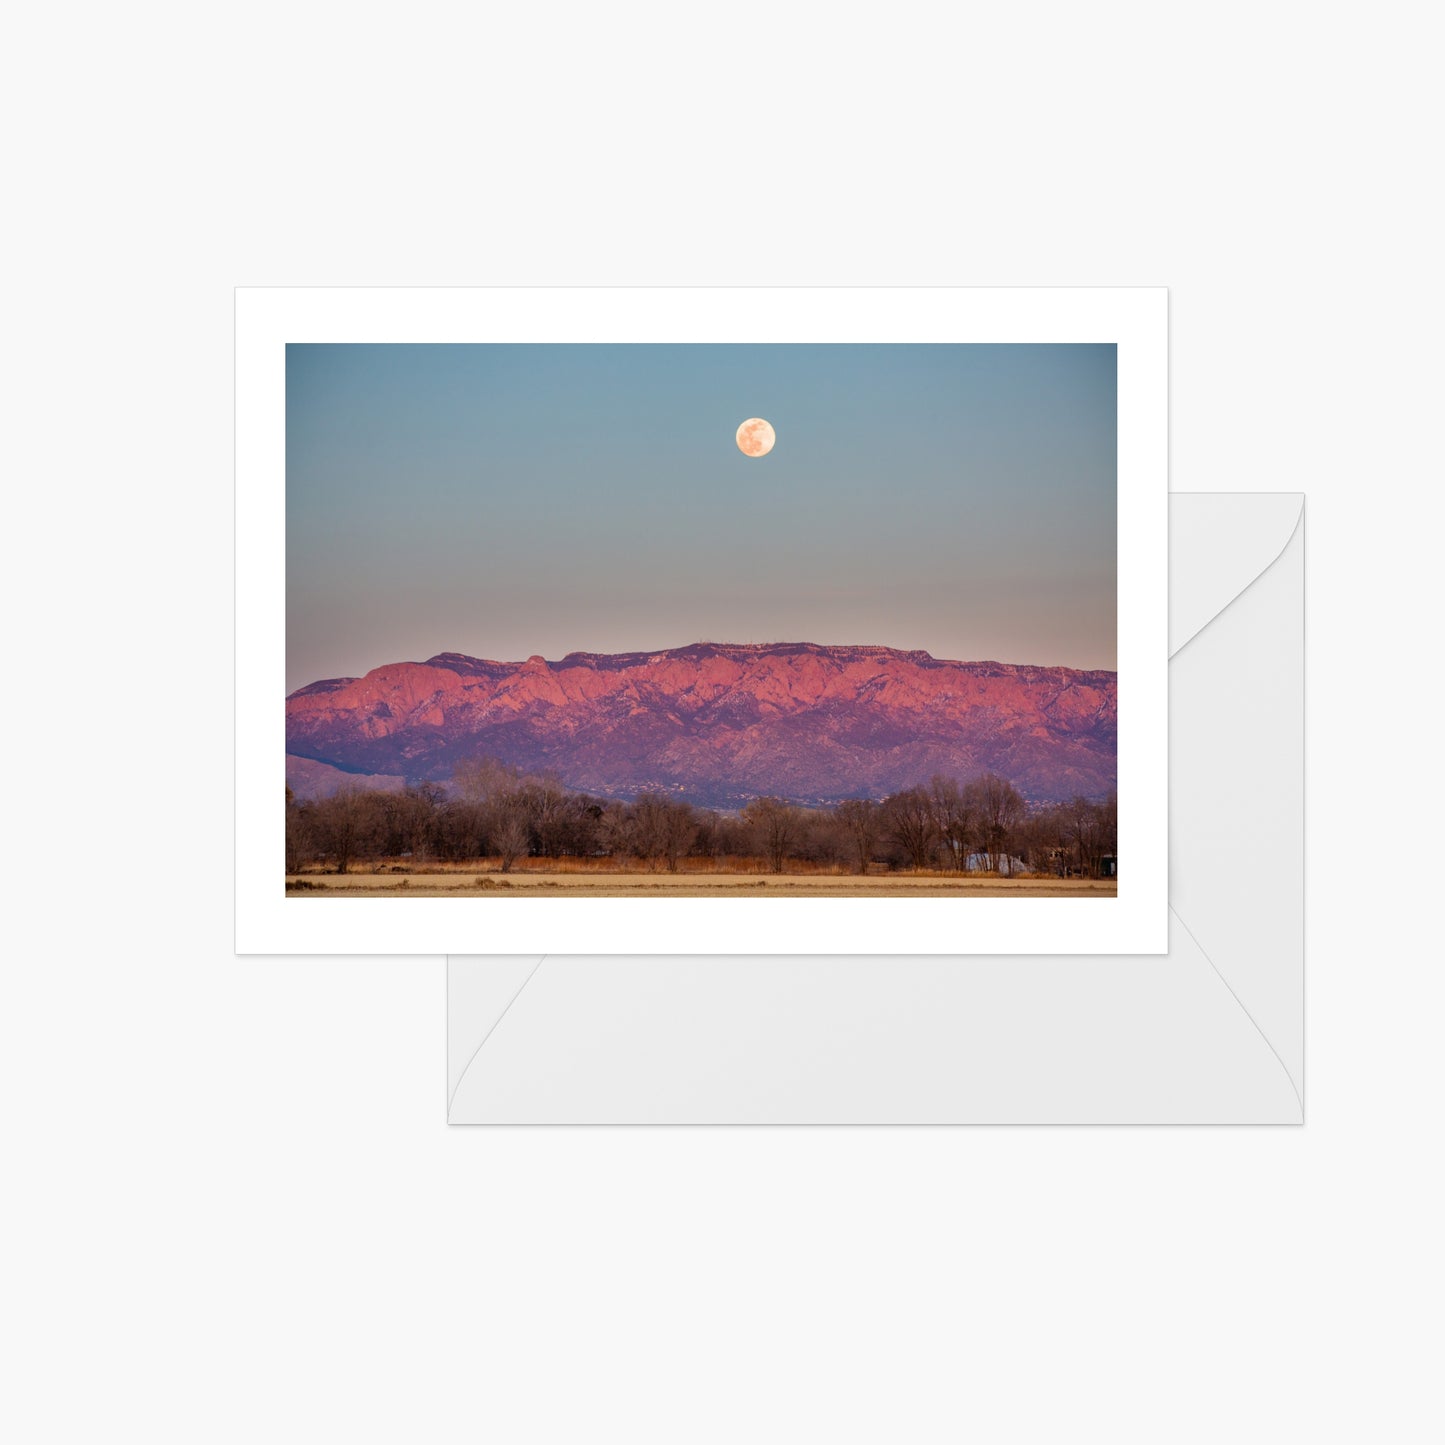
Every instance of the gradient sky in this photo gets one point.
(503, 501)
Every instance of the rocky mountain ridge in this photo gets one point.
(720, 723)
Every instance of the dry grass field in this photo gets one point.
(441, 881)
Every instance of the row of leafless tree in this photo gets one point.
(496, 813)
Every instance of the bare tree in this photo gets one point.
(663, 829)
(552, 815)
(1043, 842)
(1082, 828)
(1000, 809)
(615, 830)
(954, 818)
(862, 822)
(645, 835)
(679, 830)
(346, 825)
(1109, 825)
(909, 821)
(775, 825)
(298, 831)
(510, 831)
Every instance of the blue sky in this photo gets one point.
(509, 500)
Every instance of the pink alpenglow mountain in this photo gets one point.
(722, 723)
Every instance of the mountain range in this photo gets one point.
(716, 723)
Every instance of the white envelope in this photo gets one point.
(1211, 1032)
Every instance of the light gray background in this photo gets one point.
(235, 1211)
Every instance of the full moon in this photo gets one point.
(756, 437)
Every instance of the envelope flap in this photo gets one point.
(1236, 795)
(1228, 540)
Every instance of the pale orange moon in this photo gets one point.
(756, 437)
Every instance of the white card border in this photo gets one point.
(1135, 319)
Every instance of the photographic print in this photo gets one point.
(737, 620)
(659, 620)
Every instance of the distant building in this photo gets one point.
(1007, 866)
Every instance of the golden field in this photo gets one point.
(585, 881)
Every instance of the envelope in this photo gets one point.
(1211, 1032)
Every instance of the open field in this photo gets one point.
(595, 883)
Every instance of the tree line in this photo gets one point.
(495, 813)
